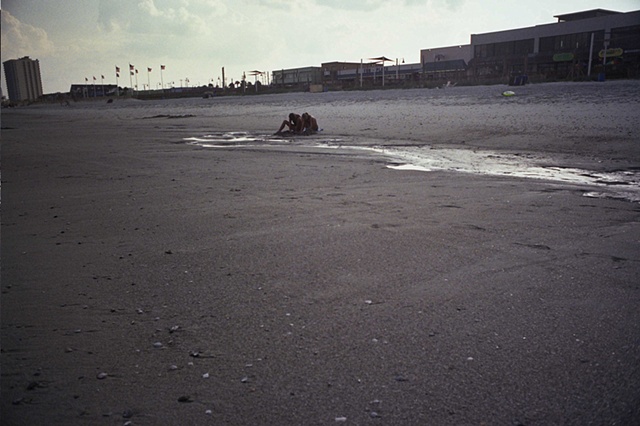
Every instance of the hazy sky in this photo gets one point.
(78, 39)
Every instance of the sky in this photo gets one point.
(76, 40)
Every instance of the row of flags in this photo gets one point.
(133, 69)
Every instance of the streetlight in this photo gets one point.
(397, 67)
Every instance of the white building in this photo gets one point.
(23, 79)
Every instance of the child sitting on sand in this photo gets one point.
(310, 124)
(295, 124)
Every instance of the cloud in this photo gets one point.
(19, 39)
(454, 4)
(361, 5)
(277, 4)
(190, 30)
(371, 5)
(161, 17)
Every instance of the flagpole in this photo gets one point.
(161, 79)
(130, 79)
(136, 80)
(148, 78)
(117, 87)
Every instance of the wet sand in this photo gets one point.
(150, 280)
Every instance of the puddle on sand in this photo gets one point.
(227, 140)
(246, 140)
(623, 184)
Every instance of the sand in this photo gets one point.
(148, 279)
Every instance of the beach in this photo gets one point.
(172, 262)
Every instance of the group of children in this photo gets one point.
(304, 124)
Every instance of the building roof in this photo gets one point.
(585, 14)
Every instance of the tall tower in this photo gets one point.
(23, 79)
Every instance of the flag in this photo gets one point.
(86, 79)
(162, 67)
(117, 69)
(136, 71)
(148, 69)
(131, 67)
(131, 72)
(103, 77)
(117, 75)
(94, 78)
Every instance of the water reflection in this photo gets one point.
(622, 184)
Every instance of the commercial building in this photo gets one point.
(297, 76)
(23, 79)
(587, 44)
(446, 63)
(580, 44)
(330, 70)
(375, 74)
(93, 90)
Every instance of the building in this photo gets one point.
(580, 44)
(330, 70)
(23, 79)
(297, 76)
(446, 63)
(443, 54)
(93, 90)
(375, 74)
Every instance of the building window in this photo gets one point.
(507, 48)
(547, 44)
(484, 51)
(579, 42)
(523, 47)
(625, 38)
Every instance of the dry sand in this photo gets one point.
(146, 280)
